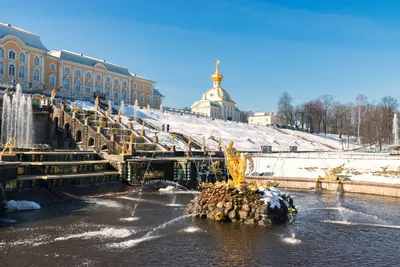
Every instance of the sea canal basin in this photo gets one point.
(148, 229)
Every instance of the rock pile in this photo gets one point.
(224, 203)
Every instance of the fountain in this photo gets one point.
(239, 201)
(135, 109)
(109, 108)
(395, 131)
(17, 119)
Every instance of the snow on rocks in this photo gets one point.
(167, 189)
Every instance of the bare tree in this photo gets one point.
(327, 102)
(285, 108)
(361, 105)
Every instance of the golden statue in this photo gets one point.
(219, 144)
(172, 139)
(75, 107)
(189, 140)
(107, 113)
(203, 141)
(101, 122)
(53, 95)
(236, 164)
(124, 148)
(118, 115)
(132, 138)
(214, 168)
(9, 145)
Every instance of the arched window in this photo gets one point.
(11, 70)
(21, 72)
(157, 103)
(134, 85)
(11, 54)
(88, 75)
(108, 79)
(66, 83)
(98, 88)
(124, 94)
(77, 85)
(142, 97)
(1, 52)
(78, 73)
(66, 70)
(52, 67)
(52, 80)
(148, 88)
(141, 87)
(116, 81)
(107, 91)
(116, 93)
(22, 57)
(149, 100)
(1, 67)
(134, 96)
(36, 75)
(125, 83)
(98, 77)
(88, 87)
(36, 61)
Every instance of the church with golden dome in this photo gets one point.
(216, 102)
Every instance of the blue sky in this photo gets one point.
(305, 47)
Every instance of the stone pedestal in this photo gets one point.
(172, 149)
(8, 157)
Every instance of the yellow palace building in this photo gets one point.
(26, 61)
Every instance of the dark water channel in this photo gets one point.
(330, 230)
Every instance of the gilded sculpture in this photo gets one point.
(75, 107)
(236, 164)
(9, 145)
(172, 139)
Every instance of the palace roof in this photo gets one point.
(28, 38)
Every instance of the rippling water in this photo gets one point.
(330, 230)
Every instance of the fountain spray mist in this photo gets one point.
(395, 130)
(17, 119)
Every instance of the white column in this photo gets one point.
(112, 89)
(103, 84)
(29, 68)
(60, 74)
(129, 91)
(73, 81)
(43, 69)
(93, 82)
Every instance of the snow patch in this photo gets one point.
(21, 205)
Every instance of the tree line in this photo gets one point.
(370, 121)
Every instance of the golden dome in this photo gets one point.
(217, 77)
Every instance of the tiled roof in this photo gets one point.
(157, 93)
(88, 61)
(28, 38)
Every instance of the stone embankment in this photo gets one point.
(246, 205)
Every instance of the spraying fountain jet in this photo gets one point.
(395, 131)
(17, 119)
(135, 109)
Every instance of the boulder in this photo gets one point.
(246, 207)
(243, 214)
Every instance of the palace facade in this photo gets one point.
(216, 102)
(26, 61)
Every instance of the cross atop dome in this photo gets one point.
(217, 77)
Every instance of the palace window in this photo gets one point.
(124, 94)
(52, 67)
(78, 73)
(52, 80)
(141, 87)
(157, 103)
(66, 83)
(108, 79)
(142, 97)
(98, 88)
(125, 83)
(36, 75)
(107, 91)
(134, 85)
(98, 77)
(22, 57)
(1, 52)
(88, 89)
(116, 81)
(116, 93)
(77, 85)
(21, 72)
(148, 88)
(11, 70)
(149, 100)
(66, 70)
(134, 96)
(36, 61)
(88, 75)
(11, 54)
(1, 67)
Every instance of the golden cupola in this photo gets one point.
(217, 77)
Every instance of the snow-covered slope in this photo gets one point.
(245, 137)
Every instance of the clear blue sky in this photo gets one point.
(305, 47)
